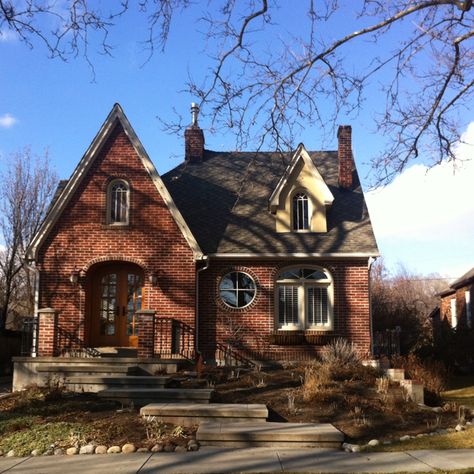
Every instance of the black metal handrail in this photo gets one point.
(29, 336)
(231, 358)
(387, 343)
(70, 345)
(174, 339)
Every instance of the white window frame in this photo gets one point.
(454, 316)
(310, 210)
(110, 186)
(254, 289)
(303, 285)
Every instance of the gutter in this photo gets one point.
(196, 310)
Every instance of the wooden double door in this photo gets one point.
(116, 296)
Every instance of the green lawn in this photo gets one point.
(461, 391)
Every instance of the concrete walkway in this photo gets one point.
(228, 460)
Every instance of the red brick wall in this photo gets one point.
(460, 296)
(251, 326)
(152, 240)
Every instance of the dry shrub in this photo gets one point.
(340, 353)
(317, 382)
(432, 374)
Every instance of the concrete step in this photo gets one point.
(144, 396)
(96, 383)
(189, 414)
(285, 435)
(88, 369)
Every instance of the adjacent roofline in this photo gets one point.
(446, 292)
(115, 116)
(295, 255)
(300, 153)
(463, 280)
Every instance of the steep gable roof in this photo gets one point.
(225, 200)
(59, 203)
(300, 155)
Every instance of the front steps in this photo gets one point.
(284, 435)
(94, 383)
(71, 370)
(189, 414)
(143, 396)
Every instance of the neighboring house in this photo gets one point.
(455, 306)
(267, 254)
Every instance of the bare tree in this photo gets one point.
(267, 83)
(405, 299)
(27, 187)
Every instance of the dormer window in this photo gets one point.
(118, 202)
(301, 212)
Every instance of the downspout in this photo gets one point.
(196, 310)
(36, 273)
(369, 266)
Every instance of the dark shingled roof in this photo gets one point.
(224, 201)
(466, 278)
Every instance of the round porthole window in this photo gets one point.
(237, 289)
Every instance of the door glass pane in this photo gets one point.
(134, 302)
(108, 304)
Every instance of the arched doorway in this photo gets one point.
(115, 293)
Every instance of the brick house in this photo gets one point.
(455, 306)
(255, 254)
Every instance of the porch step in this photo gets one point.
(96, 383)
(144, 396)
(251, 434)
(88, 369)
(189, 414)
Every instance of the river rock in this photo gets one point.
(374, 442)
(128, 448)
(72, 451)
(114, 450)
(87, 449)
(180, 449)
(158, 448)
(101, 449)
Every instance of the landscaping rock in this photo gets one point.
(143, 450)
(101, 449)
(87, 449)
(356, 448)
(404, 438)
(193, 445)
(48, 452)
(158, 448)
(374, 442)
(459, 427)
(114, 450)
(35, 452)
(128, 448)
(72, 451)
(10, 454)
(169, 448)
(180, 449)
(58, 452)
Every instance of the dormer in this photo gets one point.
(301, 198)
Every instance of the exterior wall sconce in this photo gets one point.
(74, 277)
(153, 278)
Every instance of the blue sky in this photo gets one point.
(55, 105)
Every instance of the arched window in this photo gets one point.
(237, 289)
(300, 211)
(304, 299)
(118, 202)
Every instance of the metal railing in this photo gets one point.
(29, 336)
(387, 343)
(174, 339)
(69, 345)
(229, 357)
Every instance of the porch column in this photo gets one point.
(146, 333)
(48, 320)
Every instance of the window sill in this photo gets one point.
(298, 337)
(115, 226)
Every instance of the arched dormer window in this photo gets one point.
(118, 202)
(301, 205)
(304, 299)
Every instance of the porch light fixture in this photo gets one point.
(153, 278)
(74, 277)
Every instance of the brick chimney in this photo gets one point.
(194, 138)
(344, 153)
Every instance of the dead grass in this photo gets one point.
(461, 391)
(460, 440)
